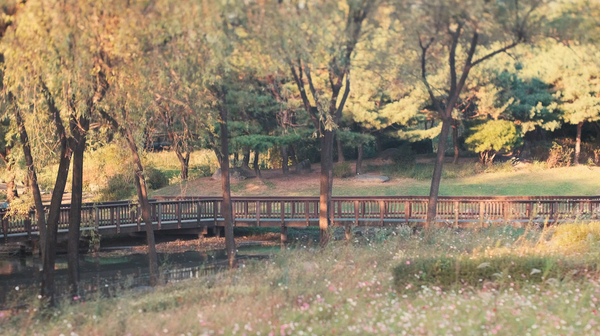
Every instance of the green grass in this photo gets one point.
(581, 180)
(350, 289)
(460, 180)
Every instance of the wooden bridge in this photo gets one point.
(178, 213)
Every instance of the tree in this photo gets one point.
(447, 35)
(308, 41)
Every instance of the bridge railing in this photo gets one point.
(187, 212)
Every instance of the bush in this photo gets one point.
(405, 157)
(506, 269)
(155, 178)
(118, 187)
(342, 170)
(200, 171)
(560, 156)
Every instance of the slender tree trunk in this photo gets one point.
(33, 182)
(340, 150)
(184, 162)
(79, 129)
(226, 207)
(293, 156)
(437, 174)
(455, 142)
(578, 143)
(326, 185)
(284, 160)
(256, 165)
(49, 254)
(359, 160)
(246, 159)
(142, 191)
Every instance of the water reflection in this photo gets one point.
(109, 274)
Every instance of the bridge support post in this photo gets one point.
(284, 236)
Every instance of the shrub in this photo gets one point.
(405, 157)
(118, 187)
(492, 137)
(342, 170)
(155, 178)
(560, 156)
(575, 237)
(200, 171)
(447, 271)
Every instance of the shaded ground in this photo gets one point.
(525, 180)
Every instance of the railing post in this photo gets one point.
(178, 211)
(407, 212)
(97, 218)
(112, 216)
(257, 213)
(159, 214)
(356, 212)
(481, 213)
(506, 212)
(381, 212)
(215, 204)
(456, 213)
(138, 218)
(332, 212)
(199, 212)
(118, 218)
(307, 212)
(283, 227)
(28, 225)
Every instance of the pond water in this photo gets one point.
(110, 274)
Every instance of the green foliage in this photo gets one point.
(155, 178)
(506, 270)
(492, 137)
(342, 170)
(118, 187)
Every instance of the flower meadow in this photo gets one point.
(354, 288)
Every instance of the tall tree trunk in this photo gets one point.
(326, 185)
(293, 156)
(455, 142)
(578, 143)
(246, 158)
(256, 165)
(49, 254)
(359, 160)
(437, 174)
(32, 177)
(79, 130)
(340, 150)
(226, 207)
(144, 203)
(284, 161)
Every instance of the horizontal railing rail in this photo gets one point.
(169, 213)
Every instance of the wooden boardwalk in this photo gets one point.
(176, 213)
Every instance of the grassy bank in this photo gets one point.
(355, 289)
(580, 180)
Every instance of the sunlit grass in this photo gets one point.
(349, 288)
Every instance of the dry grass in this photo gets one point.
(344, 289)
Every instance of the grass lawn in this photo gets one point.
(581, 180)
(496, 281)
